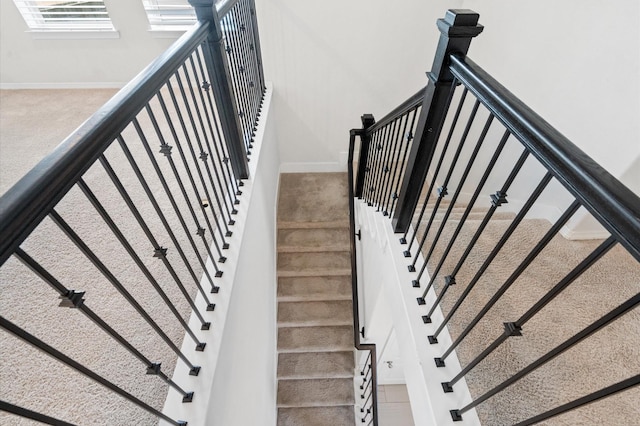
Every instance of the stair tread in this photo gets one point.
(302, 263)
(316, 365)
(316, 416)
(315, 313)
(308, 339)
(315, 392)
(310, 224)
(314, 288)
(313, 239)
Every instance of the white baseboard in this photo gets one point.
(88, 85)
(320, 167)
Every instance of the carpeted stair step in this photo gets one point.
(314, 264)
(314, 288)
(306, 339)
(316, 416)
(284, 224)
(315, 392)
(317, 313)
(307, 365)
(313, 239)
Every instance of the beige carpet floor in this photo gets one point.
(609, 356)
(315, 320)
(31, 124)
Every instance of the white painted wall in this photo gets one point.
(244, 385)
(576, 62)
(29, 62)
(333, 61)
(237, 383)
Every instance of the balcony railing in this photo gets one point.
(467, 146)
(128, 220)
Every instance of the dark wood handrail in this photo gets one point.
(354, 281)
(399, 111)
(31, 199)
(614, 205)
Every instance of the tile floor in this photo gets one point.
(393, 406)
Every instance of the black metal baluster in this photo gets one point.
(216, 138)
(427, 196)
(245, 68)
(213, 187)
(200, 230)
(409, 139)
(237, 75)
(156, 206)
(494, 252)
(497, 200)
(587, 399)
(515, 328)
(257, 83)
(394, 176)
(392, 163)
(250, 75)
(443, 190)
(386, 163)
(228, 196)
(546, 239)
(120, 236)
(256, 45)
(54, 353)
(166, 150)
(30, 414)
(466, 213)
(203, 157)
(159, 251)
(370, 167)
(379, 172)
(454, 199)
(73, 299)
(569, 343)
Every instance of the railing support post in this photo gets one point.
(365, 138)
(218, 69)
(457, 29)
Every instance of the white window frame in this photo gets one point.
(34, 13)
(169, 15)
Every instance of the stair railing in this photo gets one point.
(200, 99)
(369, 369)
(407, 165)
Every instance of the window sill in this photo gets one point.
(72, 34)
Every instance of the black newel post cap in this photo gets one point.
(457, 28)
(204, 9)
(460, 23)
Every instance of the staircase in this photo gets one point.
(315, 326)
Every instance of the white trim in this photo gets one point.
(429, 405)
(202, 385)
(73, 34)
(319, 167)
(87, 85)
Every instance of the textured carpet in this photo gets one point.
(609, 356)
(32, 123)
(315, 331)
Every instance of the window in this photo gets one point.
(49, 15)
(169, 14)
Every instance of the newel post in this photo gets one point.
(457, 29)
(215, 58)
(365, 140)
